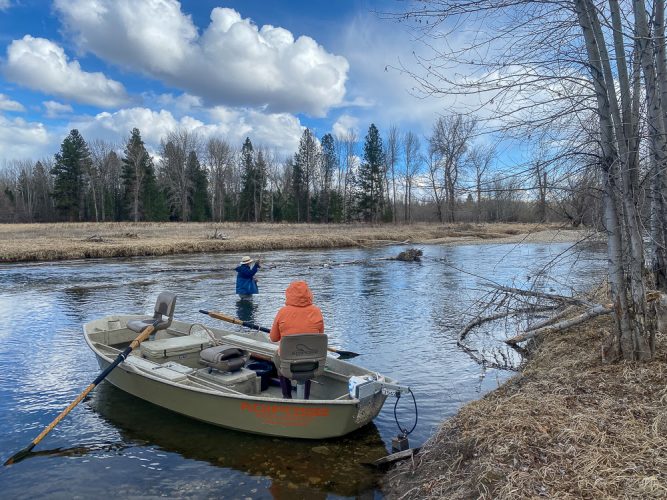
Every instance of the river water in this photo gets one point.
(402, 317)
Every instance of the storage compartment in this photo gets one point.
(263, 369)
(244, 381)
(173, 372)
(183, 347)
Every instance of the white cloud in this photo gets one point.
(344, 124)
(20, 139)
(42, 65)
(233, 61)
(183, 103)
(278, 131)
(5, 4)
(55, 109)
(7, 104)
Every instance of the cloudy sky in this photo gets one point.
(254, 68)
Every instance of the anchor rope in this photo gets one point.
(404, 431)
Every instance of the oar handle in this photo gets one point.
(236, 321)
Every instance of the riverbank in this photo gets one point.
(569, 426)
(50, 242)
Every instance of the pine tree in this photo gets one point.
(137, 169)
(329, 161)
(200, 207)
(305, 163)
(71, 165)
(248, 180)
(371, 178)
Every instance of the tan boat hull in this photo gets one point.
(268, 415)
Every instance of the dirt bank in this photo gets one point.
(569, 426)
(46, 242)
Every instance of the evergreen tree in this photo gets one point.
(371, 177)
(154, 199)
(137, 170)
(71, 165)
(306, 161)
(200, 207)
(259, 193)
(248, 181)
(329, 163)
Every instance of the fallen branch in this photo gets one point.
(485, 319)
(542, 295)
(596, 310)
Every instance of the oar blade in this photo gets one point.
(20, 455)
(345, 354)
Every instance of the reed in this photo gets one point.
(48, 242)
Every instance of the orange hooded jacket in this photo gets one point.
(299, 314)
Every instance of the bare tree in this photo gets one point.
(449, 142)
(219, 159)
(392, 144)
(349, 164)
(412, 165)
(479, 159)
(175, 150)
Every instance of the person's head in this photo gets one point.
(246, 260)
(298, 294)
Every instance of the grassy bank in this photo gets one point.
(46, 242)
(569, 426)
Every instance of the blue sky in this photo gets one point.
(263, 69)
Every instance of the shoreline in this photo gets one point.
(569, 425)
(69, 241)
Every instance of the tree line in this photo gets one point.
(330, 179)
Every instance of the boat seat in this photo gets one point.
(225, 358)
(164, 313)
(302, 357)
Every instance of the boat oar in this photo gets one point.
(230, 319)
(119, 359)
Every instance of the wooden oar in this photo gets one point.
(119, 359)
(230, 319)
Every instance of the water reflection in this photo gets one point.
(331, 466)
(245, 309)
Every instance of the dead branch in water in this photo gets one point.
(480, 320)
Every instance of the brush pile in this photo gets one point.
(410, 255)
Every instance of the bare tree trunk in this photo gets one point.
(627, 327)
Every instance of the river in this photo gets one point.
(403, 317)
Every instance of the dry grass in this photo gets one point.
(570, 426)
(41, 242)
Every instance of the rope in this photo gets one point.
(405, 432)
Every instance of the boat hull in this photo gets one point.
(305, 419)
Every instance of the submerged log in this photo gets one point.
(394, 457)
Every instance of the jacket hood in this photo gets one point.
(298, 294)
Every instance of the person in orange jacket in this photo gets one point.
(298, 315)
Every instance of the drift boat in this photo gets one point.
(177, 370)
